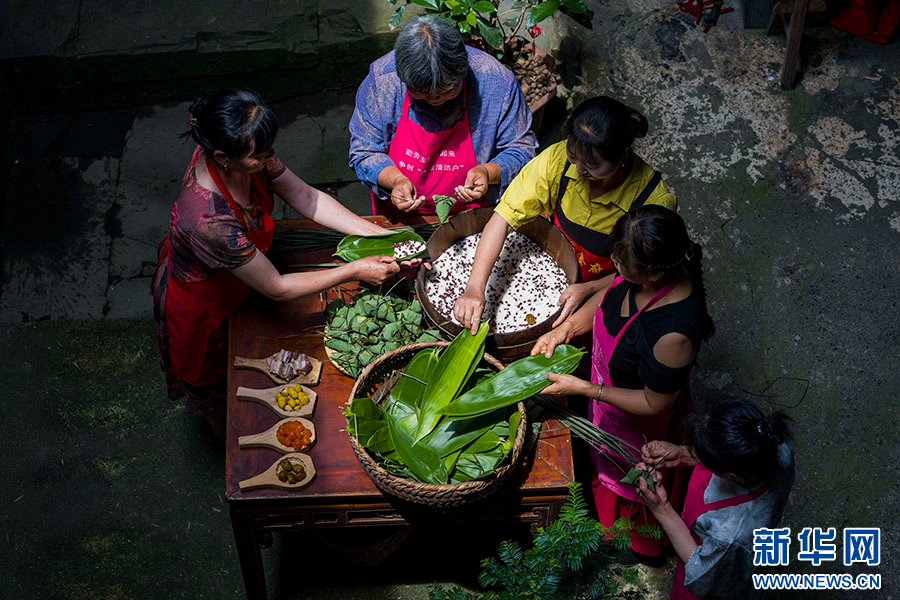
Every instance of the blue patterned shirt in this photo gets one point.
(499, 118)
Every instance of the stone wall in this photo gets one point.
(92, 54)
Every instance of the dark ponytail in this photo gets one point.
(603, 127)
(732, 435)
(233, 121)
(694, 262)
(655, 239)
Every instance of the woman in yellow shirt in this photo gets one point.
(584, 184)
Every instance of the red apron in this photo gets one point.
(592, 247)
(636, 430)
(197, 313)
(694, 506)
(435, 162)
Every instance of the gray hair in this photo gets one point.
(430, 55)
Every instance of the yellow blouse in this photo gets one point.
(534, 190)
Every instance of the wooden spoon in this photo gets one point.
(270, 479)
(260, 364)
(269, 437)
(267, 396)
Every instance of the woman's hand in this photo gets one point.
(568, 385)
(477, 180)
(548, 342)
(657, 500)
(573, 297)
(403, 194)
(653, 453)
(375, 269)
(468, 309)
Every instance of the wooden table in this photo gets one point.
(342, 495)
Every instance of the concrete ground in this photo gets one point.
(113, 493)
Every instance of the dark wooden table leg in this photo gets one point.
(792, 54)
(249, 554)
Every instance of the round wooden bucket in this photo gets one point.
(505, 346)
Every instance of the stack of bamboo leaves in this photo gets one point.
(448, 419)
(370, 325)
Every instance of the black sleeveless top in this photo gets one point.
(633, 365)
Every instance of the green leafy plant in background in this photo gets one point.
(573, 557)
(480, 19)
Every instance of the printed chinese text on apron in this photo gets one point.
(435, 162)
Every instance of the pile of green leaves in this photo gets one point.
(450, 418)
(573, 557)
(372, 324)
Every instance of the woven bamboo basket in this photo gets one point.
(376, 381)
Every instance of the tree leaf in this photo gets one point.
(578, 12)
(484, 7)
(492, 35)
(472, 18)
(396, 17)
(421, 460)
(432, 4)
(456, 364)
(520, 380)
(354, 247)
(541, 12)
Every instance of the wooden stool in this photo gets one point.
(788, 16)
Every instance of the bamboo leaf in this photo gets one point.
(453, 369)
(380, 441)
(474, 465)
(363, 419)
(410, 388)
(520, 380)
(442, 205)
(634, 477)
(452, 434)
(421, 460)
(354, 247)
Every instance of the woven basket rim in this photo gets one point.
(417, 491)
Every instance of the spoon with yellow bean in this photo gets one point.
(286, 400)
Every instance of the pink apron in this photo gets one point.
(694, 506)
(636, 430)
(435, 162)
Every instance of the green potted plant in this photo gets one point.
(573, 557)
(484, 27)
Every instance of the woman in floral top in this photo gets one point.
(221, 217)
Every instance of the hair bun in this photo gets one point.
(639, 124)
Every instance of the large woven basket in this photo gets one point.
(375, 382)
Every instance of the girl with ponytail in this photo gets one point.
(743, 472)
(585, 182)
(647, 330)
